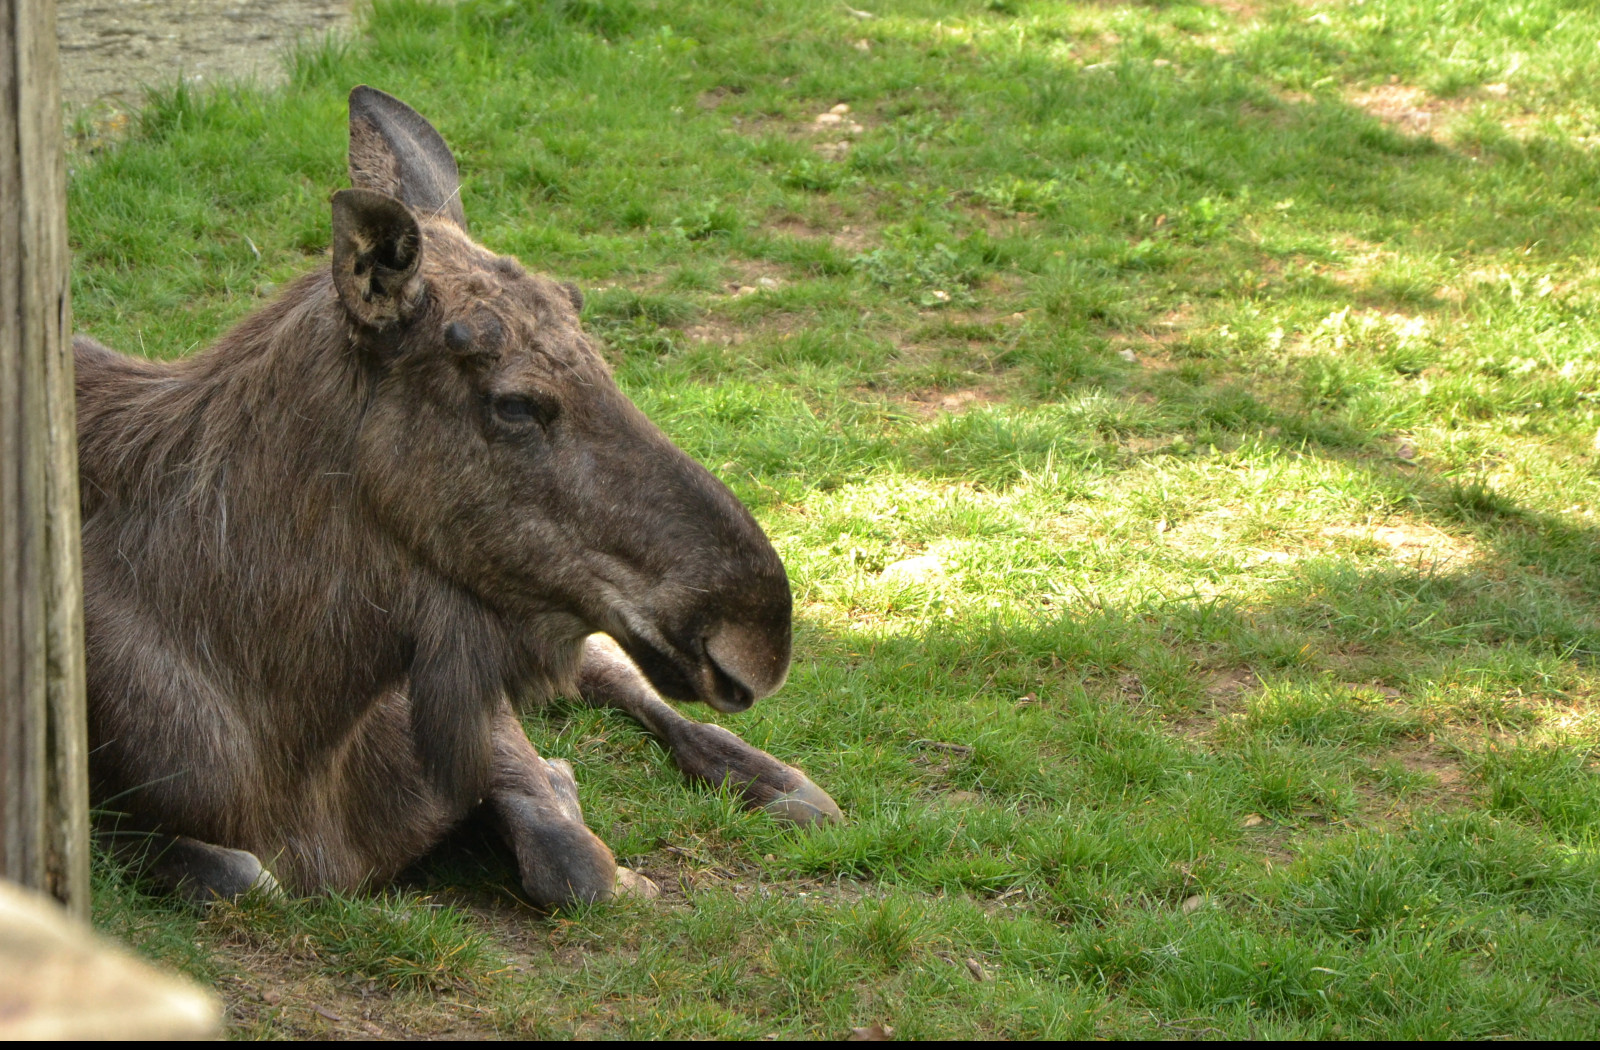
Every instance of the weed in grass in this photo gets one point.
(1554, 785)
(1399, 780)
(889, 930)
(1366, 890)
(1325, 714)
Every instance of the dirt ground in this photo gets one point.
(110, 49)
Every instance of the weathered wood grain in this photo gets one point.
(43, 773)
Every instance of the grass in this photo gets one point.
(1179, 423)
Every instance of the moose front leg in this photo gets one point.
(535, 803)
(701, 750)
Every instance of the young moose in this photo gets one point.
(323, 557)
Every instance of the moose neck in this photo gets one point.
(225, 487)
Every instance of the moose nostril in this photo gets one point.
(728, 693)
(749, 657)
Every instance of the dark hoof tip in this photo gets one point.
(805, 805)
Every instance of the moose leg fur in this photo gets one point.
(703, 751)
(535, 803)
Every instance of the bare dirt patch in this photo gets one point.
(1227, 691)
(798, 228)
(1227, 687)
(1447, 783)
(1413, 544)
(287, 991)
(755, 275)
(1443, 767)
(852, 238)
(1272, 840)
(832, 131)
(717, 331)
(1243, 10)
(714, 97)
(315, 1006)
(720, 330)
(1407, 108)
(931, 403)
(837, 149)
(1151, 344)
(1417, 544)
(958, 800)
(1362, 260)
(1003, 224)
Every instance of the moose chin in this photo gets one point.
(326, 557)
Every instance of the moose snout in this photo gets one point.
(706, 611)
(728, 666)
(745, 665)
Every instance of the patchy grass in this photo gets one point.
(1179, 422)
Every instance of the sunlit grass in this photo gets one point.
(1179, 423)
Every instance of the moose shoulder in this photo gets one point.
(324, 556)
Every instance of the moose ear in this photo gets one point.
(377, 255)
(574, 294)
(393, 150)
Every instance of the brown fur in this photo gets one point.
(321, 555)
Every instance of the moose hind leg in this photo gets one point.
(704, 752)
(535, 804)
(194, 870)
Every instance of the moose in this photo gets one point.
(328, 559)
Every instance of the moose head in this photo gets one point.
(499, 451)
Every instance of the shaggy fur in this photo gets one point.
(321, 555)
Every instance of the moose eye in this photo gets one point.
(518, 410)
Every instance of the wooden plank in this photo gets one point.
(67, 731)
(59, 981)
(21, 528)
(43, 767)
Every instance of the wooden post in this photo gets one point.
(44, 807)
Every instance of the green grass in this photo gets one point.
(1231, 374)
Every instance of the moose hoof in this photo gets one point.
(266, 885)
(631, 884)
(201, 872)
(805, 804)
